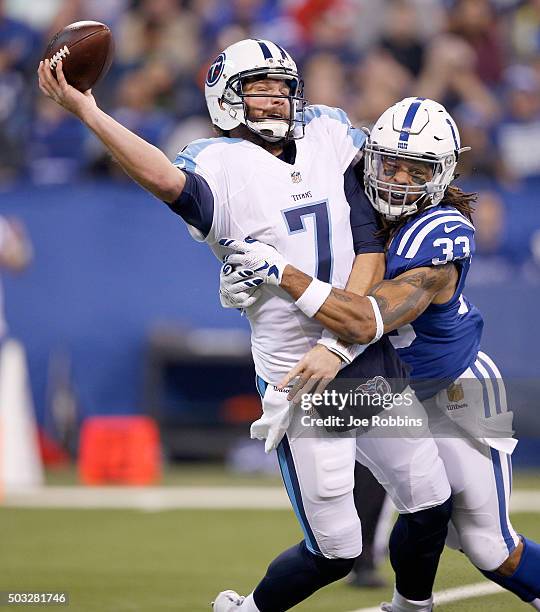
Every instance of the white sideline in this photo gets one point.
(151, 498)
(170, 498)
(479, 589)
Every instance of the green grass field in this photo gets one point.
(114, 561)
(217, 475)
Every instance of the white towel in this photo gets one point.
(275, 420)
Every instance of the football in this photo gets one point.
(86, 51)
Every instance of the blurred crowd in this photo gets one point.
(481, 58)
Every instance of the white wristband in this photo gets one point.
(313, 297)
(378, 319)
(346, 352)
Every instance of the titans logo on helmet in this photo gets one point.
(215, 70)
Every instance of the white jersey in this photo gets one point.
(299, 208)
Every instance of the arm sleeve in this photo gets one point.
(196, 203)
(364, 222)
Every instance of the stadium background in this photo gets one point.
(114, 271)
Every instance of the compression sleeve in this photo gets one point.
(364, 223)
(196, 203)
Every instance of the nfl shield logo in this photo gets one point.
(296, 177)
(455, 393)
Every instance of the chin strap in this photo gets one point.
(269, 130)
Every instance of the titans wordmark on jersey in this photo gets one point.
(298, 207)
(443, 341)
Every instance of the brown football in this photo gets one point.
(86, 51)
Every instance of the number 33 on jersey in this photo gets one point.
(443, 341)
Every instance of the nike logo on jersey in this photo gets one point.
(448, 229)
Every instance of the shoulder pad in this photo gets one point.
(187, 158)
(437, 238)
(320, 110)
(337, 125)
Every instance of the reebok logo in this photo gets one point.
(448, 229)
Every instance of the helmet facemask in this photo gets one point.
(269, 128)
(394, 200)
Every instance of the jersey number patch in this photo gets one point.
(459, 248)
(295, 221)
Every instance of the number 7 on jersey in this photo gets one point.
(295, 221)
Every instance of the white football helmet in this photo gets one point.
(225, 96)
(416, 129)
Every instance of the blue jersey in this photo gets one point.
(443, 341)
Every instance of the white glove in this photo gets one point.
(234, 295)
(261, 259)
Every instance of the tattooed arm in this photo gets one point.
(400, 300)
(404, 298)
